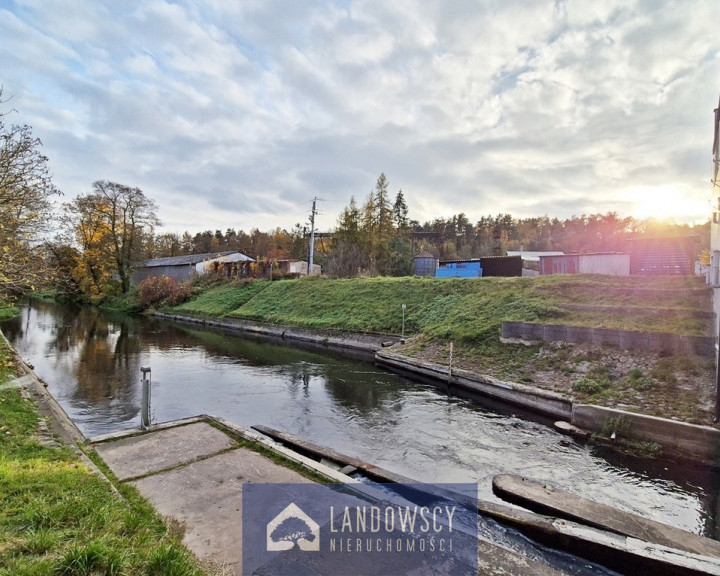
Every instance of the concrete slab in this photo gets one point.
(152, 452)
(205, 499)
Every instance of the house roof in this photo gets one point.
(185, 260)
(533, 256)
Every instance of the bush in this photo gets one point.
(163, 291)
(590, 386)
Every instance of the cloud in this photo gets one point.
(238, 114)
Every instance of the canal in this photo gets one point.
(91, 363)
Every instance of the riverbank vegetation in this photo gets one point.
(58, 518)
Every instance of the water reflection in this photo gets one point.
(92, 361)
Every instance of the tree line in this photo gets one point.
(101, 236)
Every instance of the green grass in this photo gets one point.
(128, 303)
(221, 299)
(58, 518)
(462, 310)
(8, 311)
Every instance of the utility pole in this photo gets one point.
(312, 237)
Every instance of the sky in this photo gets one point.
(239, 114)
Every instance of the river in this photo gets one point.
(91, 363)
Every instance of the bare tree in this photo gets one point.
(25, 190)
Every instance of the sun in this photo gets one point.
(666, 203)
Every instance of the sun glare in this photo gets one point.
(665, 203)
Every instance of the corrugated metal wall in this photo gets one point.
(612, 264)
(662, 256)
(468, 269)
(568, 264)
(178, 273)
(425, 266)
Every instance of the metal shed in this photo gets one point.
(611, 263)
(662, 256)
(502, 266)
(425, 264)
(459, 269)
(179, 268)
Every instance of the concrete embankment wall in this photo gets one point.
(624, 339)
(367, 342)
(687, 440)
(543, 402)
(702, 442)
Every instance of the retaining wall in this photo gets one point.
(537, 400)
(688, 439)
(624, 339)
(367, 342)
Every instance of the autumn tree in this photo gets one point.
(111, 221)
(26, 189)
(87, 229)
(297, 248)
(375, 238)
(168, 244)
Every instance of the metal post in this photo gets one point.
(402, 334)
(145, 402)
(717, 377)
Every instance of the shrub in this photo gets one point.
(590, 386)
(163, 291)
(664, 370)
(619, 425)
(638, 381)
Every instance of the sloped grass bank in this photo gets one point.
(219, 299)
(58, 518)
(461, 309)
(464, 310)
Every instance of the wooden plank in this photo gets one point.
(547, 499)
(493, 560)
(308, 448)
(621, 553)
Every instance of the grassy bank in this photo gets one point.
(464, 310)
(58, 518)
(469, 314)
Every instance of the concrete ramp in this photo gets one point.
(193, 473)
